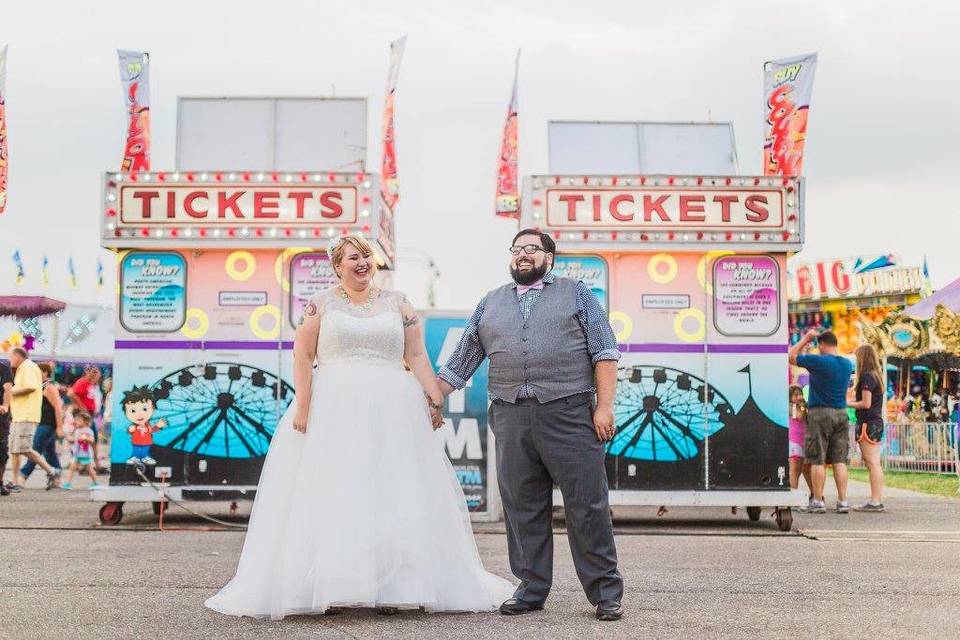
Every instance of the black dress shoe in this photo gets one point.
(516, 606)
(609, 610)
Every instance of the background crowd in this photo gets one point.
(62, 426)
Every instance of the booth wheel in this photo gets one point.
(111, 513)
(753, 513)
(784, 519)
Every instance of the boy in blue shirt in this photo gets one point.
(828, 429)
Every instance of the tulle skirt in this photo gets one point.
(362, 510)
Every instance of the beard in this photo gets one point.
(529, 277)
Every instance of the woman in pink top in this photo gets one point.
(797, 433)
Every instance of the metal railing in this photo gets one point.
(921, 447)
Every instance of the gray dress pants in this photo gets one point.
(539, 445)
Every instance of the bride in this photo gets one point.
(357, 504)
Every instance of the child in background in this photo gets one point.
(797, 433)
(82, 449)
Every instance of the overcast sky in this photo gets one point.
(882, 151)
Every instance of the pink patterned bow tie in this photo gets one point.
(523, 288)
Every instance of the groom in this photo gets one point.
(552, 353)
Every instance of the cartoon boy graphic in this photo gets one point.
(139, 405)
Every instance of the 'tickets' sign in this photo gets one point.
(252, 205)
(654, 207)
(590, 213)
(242, 209)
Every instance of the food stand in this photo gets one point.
(693, 271)
(214, 269)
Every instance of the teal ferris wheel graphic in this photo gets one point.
(220, 409)
(664, 414)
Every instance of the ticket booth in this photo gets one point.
(692, 269)
(214, 269)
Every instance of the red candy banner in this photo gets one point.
(787, 86)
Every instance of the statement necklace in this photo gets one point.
(371, 296)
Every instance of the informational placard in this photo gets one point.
(242, 298)
(310, 273)
(746, 295)
(153, 289)
(592, 270)
(671, 301)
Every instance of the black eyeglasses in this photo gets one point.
(528, 249)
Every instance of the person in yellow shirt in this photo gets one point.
(25, 403)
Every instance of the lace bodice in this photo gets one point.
(353, 333)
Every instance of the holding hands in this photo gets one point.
(436, 411)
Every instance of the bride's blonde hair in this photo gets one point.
(338, 249)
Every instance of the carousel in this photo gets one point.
(922, 342)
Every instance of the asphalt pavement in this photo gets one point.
(702, 573)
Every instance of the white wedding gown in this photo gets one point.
(364, 509)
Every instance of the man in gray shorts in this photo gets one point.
(828, 429)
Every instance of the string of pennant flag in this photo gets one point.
(20, 270)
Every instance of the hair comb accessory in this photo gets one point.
(333, 244)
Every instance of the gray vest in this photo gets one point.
(548, 351)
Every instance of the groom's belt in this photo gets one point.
(572, 400)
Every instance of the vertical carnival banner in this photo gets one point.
(508, 193)
(787, 87)
(135, 76)
(3, 129)
(389, 180)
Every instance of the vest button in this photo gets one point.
(524, 338)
